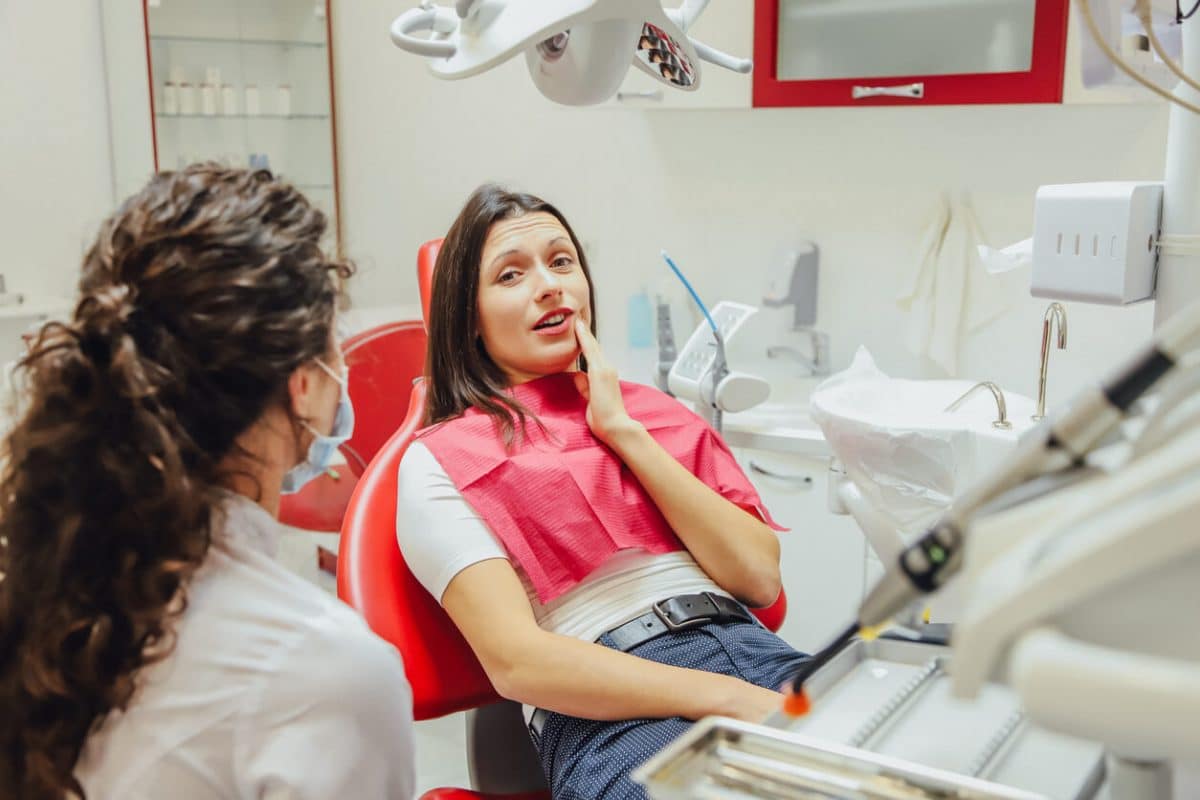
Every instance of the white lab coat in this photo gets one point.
(274, 690)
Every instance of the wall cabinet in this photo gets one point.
(246, 84)
(923, 52)
(824, 555)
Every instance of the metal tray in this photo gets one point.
(883, 720)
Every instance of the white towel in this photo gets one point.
(948, 294)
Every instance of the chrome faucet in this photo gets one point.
(818, 364)
(1001, 420)
(1055, 313)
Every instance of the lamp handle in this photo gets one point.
(435, 19)
(714, 56)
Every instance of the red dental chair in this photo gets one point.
(383, 362)
(443, 671)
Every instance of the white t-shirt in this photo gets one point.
(274, 690)
(441, 535)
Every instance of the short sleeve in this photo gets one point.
(334, 719)
(438, 532)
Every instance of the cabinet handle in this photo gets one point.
(915, 91)
(803, 480)
(649, 94)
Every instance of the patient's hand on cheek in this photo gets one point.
(601, 387)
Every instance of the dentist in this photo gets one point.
(150, 644)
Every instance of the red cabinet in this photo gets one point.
(851, 52)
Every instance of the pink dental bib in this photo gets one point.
(562, 502)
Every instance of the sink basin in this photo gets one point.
(907, 455)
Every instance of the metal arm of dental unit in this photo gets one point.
(577, 51)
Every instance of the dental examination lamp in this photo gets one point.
(577, 51)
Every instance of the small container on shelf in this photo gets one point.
(212, 75)
(229, 105)
(208, 100)
(253, 109)
(285, 100)
(170, 99)
(187, 98)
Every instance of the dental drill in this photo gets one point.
(1063, 440)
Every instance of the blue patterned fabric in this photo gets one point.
(590, 760)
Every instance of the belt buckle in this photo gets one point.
(691, 623)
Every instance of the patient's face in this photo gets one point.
(531, 291)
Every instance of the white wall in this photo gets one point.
(55, 159)
(723, 190)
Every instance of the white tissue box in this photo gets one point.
(1096, 242)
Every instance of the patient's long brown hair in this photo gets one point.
(199, 298)
(460, 372)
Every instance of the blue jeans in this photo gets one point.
(591, 760)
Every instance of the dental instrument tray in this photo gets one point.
(883, 727)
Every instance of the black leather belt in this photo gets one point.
(676, 613)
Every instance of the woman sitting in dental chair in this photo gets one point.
(593, 540)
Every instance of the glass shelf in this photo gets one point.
(241, 116)
(230, 40)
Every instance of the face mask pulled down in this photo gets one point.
(323, 446)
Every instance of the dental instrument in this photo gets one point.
(577, 51)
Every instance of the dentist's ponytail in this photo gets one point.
(200, 297)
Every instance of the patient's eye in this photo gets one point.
(507, 276)
(562, 262)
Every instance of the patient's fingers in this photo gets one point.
(588, 344)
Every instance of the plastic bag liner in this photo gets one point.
(910, 473)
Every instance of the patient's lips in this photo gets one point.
(555, 323)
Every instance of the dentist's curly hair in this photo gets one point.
(200, 297)
(460, 372)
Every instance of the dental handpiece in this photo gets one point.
(1062, 440)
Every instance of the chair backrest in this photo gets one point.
(383, 361)
(373, 577)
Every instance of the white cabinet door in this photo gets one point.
(727, 25)
(823, 553)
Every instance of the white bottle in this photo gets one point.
(208, 100)
(170, 97)
(252, 106)
(187, 98)
(285, 100)
(228, 100)
(212, 75)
